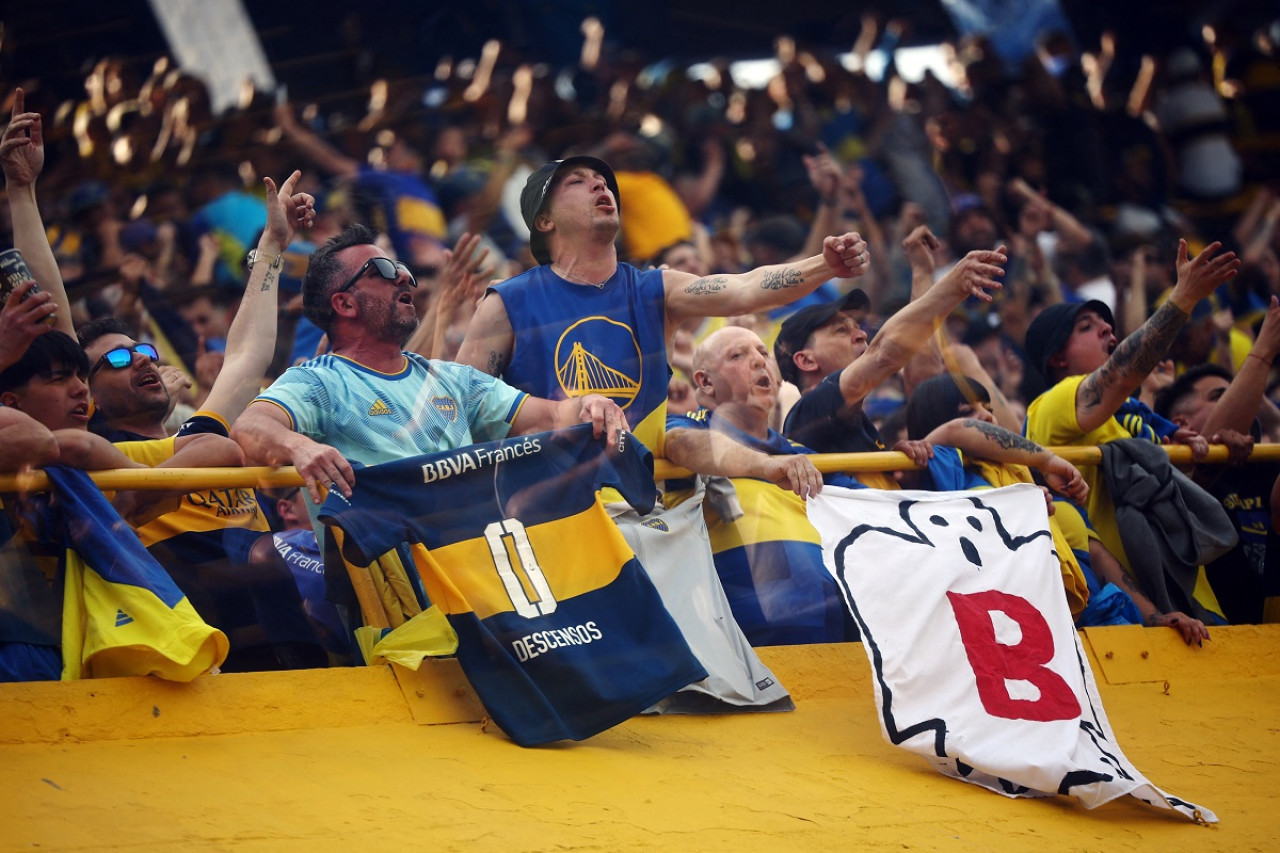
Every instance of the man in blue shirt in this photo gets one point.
(368, 400)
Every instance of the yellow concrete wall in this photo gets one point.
(372, 759)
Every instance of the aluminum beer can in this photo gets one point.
(13, 272)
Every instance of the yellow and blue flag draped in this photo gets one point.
(122, 613)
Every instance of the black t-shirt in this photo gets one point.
(1246, 575)
(815, 422)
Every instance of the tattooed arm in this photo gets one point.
(1109, 570)
(251, 340)
(688, 296)
(982, 440)
(490, 338)
(1102, 392)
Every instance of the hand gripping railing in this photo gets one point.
(187, 479)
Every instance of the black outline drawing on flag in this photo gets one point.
(977, 666)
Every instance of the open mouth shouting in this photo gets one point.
(148, 378)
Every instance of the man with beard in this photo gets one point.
(205, 544)
(368, 400)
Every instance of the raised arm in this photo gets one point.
(907, 331)
(266, 435)
(918, 248)
(1263, 234)
(485, 205)
(490, 338)
(698, 191)
(1074, 235)
(1102, 392)
(1133, 294)
(708, 451)
(688, 296)
(22, 158)
(251, 340)
(963, 360)
(458, 285)
(825, 178)
(1240, 401)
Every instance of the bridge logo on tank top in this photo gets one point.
(597, 355)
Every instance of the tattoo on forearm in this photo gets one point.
(1130, 586)
(1142, 351)
(1137, 355)
(1003, 437)
(781, 279)
(496, 365)
(707, 285)
(268, 280)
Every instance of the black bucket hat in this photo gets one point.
(534, 195)
(1049, 331)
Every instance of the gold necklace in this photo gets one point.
(599, 285)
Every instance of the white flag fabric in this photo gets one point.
(977, 664)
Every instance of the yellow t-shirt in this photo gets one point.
(1051, 422)
(201, 510)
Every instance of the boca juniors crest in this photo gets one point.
(446, 406)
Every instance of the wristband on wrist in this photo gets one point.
(254, 256)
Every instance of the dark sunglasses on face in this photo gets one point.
(121, 357)
(385, 267)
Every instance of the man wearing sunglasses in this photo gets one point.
(371, 402)
(205, 544)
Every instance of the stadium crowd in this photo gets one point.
(1084, 252)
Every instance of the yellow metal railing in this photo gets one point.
(258, 477)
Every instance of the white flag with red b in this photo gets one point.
(977, 665)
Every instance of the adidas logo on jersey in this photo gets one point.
(122, 618)
(379, 408)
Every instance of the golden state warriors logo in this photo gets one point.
(590, 357)
(446, 406)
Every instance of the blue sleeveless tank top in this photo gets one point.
(576, 339)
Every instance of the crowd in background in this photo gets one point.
(1088, 164)
(1087, 171)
